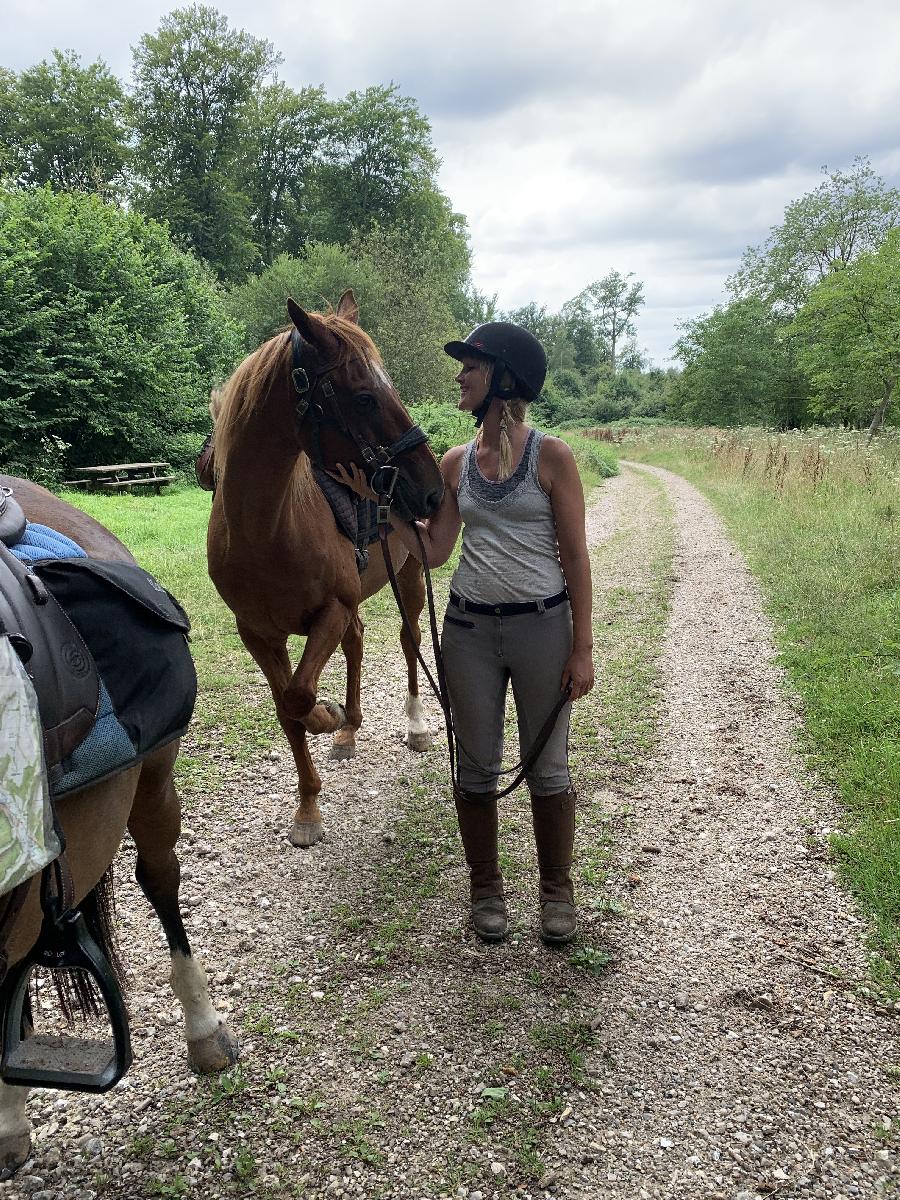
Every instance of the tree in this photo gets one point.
(64, 125)
(739, 369)
(194, 80)
(608, 308)
(848, 214)
(848, 337)
(287, 135)
(380, 160)
(110, 337)
(316, 278)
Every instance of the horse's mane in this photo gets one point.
(252, 381)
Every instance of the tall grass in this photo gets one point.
(818, 516)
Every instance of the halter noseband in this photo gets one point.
(307, 384)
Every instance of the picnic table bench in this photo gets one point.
(124, 476)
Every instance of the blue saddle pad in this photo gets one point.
(40, 542)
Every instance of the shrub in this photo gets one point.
(110, 337)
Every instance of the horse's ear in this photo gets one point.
(311, 327)
(348, 308)
(301, 319)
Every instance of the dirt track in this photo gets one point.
(717, 1055)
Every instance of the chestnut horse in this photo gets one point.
(141, 799)
(318, 395)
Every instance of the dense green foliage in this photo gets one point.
(64, 125)
(816, 514)
(811, 331)
(109, 335)
(275, 191)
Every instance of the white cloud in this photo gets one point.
(660, 137)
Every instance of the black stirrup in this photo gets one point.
(63, 1060)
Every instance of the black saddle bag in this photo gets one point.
(137, 633)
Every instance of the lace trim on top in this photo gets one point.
(491, 491)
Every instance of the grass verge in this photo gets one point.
(824, 543)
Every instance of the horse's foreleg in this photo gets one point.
(299, 697)
(274, 663)
(411, 584)
(155, 824)
(344, 742)
(15, 1128)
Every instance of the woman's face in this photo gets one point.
(473, 378)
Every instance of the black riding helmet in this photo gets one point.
(508, 347)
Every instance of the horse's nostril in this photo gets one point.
(433, 499)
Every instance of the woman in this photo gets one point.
(520, 611)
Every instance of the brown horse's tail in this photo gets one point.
(75, 989)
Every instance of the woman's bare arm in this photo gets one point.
(560, 472)
(440, 531)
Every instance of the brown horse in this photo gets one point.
(141, 799)
(318, 395)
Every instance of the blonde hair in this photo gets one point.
(511, 411)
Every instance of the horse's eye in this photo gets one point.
(365, 399)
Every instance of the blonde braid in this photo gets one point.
(506, 463)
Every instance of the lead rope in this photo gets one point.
(385, 500)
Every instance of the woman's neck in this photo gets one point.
(490, 428)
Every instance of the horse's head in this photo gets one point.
(348, 410)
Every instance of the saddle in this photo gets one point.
(48, 644)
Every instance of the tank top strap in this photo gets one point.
(534, 454)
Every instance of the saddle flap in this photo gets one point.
(57, 660)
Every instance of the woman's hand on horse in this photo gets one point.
(354, 479)
(579, 673)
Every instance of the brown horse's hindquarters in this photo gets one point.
(94, 822)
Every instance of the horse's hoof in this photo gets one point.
(14, 1150)
(306, 834)
(337, 711)
(214, 1053)
(419, 741)
(342, 750)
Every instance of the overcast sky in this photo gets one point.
(655, 136)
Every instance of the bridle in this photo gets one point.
(317, 405)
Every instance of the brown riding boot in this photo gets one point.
(478, 828)
(554, 833)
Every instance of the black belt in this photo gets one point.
(508, 610)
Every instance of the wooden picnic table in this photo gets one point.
(125, 476)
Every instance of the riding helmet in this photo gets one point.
(508, 346)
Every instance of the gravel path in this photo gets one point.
(388, 1054)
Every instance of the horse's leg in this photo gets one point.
(343, 744)
(15, 1128)
(411, 585)
(274, 663)
(155, 824)
(299, 697)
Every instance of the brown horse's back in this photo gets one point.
(46, 509)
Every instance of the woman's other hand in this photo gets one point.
(579, 672)
(354, 479)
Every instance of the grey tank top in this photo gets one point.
(509, 547)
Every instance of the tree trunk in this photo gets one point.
(878, 419)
